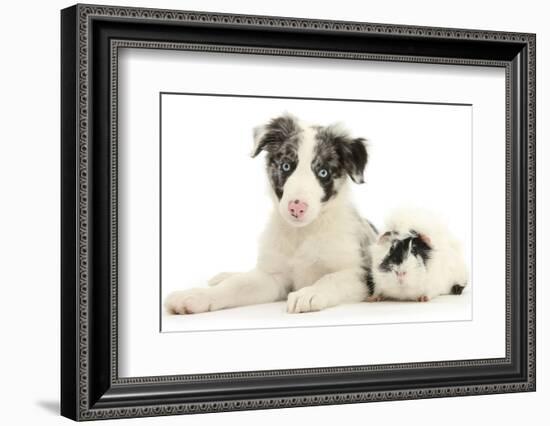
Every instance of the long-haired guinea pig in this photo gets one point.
(415, 258)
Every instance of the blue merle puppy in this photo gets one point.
(314, 251)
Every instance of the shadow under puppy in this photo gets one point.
(314, 249)
(416, 258)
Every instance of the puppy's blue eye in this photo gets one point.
(285, 167)
(323, 173)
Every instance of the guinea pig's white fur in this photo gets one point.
(444, 270)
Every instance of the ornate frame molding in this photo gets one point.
(82, 16)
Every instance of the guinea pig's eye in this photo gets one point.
(323, 173)
(285, 167)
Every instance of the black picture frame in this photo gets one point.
(90, 386)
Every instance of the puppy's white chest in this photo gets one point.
(306, 265)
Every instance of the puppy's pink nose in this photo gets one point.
(297, 208)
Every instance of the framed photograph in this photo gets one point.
(263, 212)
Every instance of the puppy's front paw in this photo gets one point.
(423, 299)
(192, 301)
(306, 299)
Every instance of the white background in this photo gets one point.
(199, 150)
(215, 202)
(29, 231)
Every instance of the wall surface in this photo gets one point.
(29, 225)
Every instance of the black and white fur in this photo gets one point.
(314, 259)
(416, 258)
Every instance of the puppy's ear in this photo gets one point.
(272, 134)
(354, 157)
(352, 152)
(259, 140)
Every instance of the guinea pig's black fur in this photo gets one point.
(400, 248)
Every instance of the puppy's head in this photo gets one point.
(307, 165)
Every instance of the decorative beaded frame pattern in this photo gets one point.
(86, 13)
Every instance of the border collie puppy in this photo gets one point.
(314, 250)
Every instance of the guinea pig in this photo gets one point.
(415, 258)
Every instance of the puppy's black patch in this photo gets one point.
(280, 138)
(287, 154)
(457, 289)
(366, 261)
(337, 154)
(368, 280)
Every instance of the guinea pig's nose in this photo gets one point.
(401, 274)
(297, 208)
